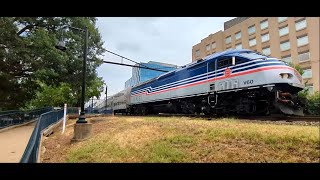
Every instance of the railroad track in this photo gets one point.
(261, 118)
(283, 118)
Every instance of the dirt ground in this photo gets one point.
(54, 148)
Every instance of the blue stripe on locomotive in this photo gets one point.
(199, 70)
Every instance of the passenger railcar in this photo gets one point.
(118, 103)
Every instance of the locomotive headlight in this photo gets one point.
(286, 75)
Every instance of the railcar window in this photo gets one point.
(222, 63)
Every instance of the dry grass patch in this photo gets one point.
(172, 139)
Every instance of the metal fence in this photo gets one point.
(73, 110)
(13, 117)
(31, 152)
(88, 110)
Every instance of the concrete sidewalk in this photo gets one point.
(13, 142)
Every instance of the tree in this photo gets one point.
(311, 101)
(29, 59)
(52, 96)
(297, 67)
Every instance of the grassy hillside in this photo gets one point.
(172, 139)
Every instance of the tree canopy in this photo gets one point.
(32, 70)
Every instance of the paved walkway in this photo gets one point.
(13, 143)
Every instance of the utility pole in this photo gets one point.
(82, 128)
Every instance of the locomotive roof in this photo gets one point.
(223, 53)
(227, 52)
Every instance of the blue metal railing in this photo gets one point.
(73, 110)
(30, 154)
(13, 117)
(89, 110)
(8, 112)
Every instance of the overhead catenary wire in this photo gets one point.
(122, 57)
(130, 65)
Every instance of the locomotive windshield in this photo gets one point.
(253, 55)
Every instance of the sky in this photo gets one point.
(143, 39)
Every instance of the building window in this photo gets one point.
(310, 89)
(281, 19)
(304, 56)
(213, 45)
(238, 35)
(265, 37)
(307, 73)
(301, 25)
(197, 52)
(287, 59)
(264, 24)
(302, 41)
(266, 51)
(238, 46)
(208, 47)
(228, 39)
(251, 29)
(252, 42)
(285, 46)
(283, 31)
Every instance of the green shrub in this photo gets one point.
(313, 103)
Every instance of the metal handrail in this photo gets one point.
(14, 117)
(31, 152)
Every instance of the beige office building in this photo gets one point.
(292, 39)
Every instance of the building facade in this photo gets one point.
(291, 39)
(140, 75)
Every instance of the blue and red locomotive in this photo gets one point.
(229, 82)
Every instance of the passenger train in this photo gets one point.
(230, 82)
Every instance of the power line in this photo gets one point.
(130, 60)
(121, 56)
(123, 64)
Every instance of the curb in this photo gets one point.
(18, 125)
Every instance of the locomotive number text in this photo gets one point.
(248, 82)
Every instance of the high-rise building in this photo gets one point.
(291, 39)
(140, 75)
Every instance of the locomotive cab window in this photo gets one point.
(212, 66)
(240, 60)
(225, 62)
